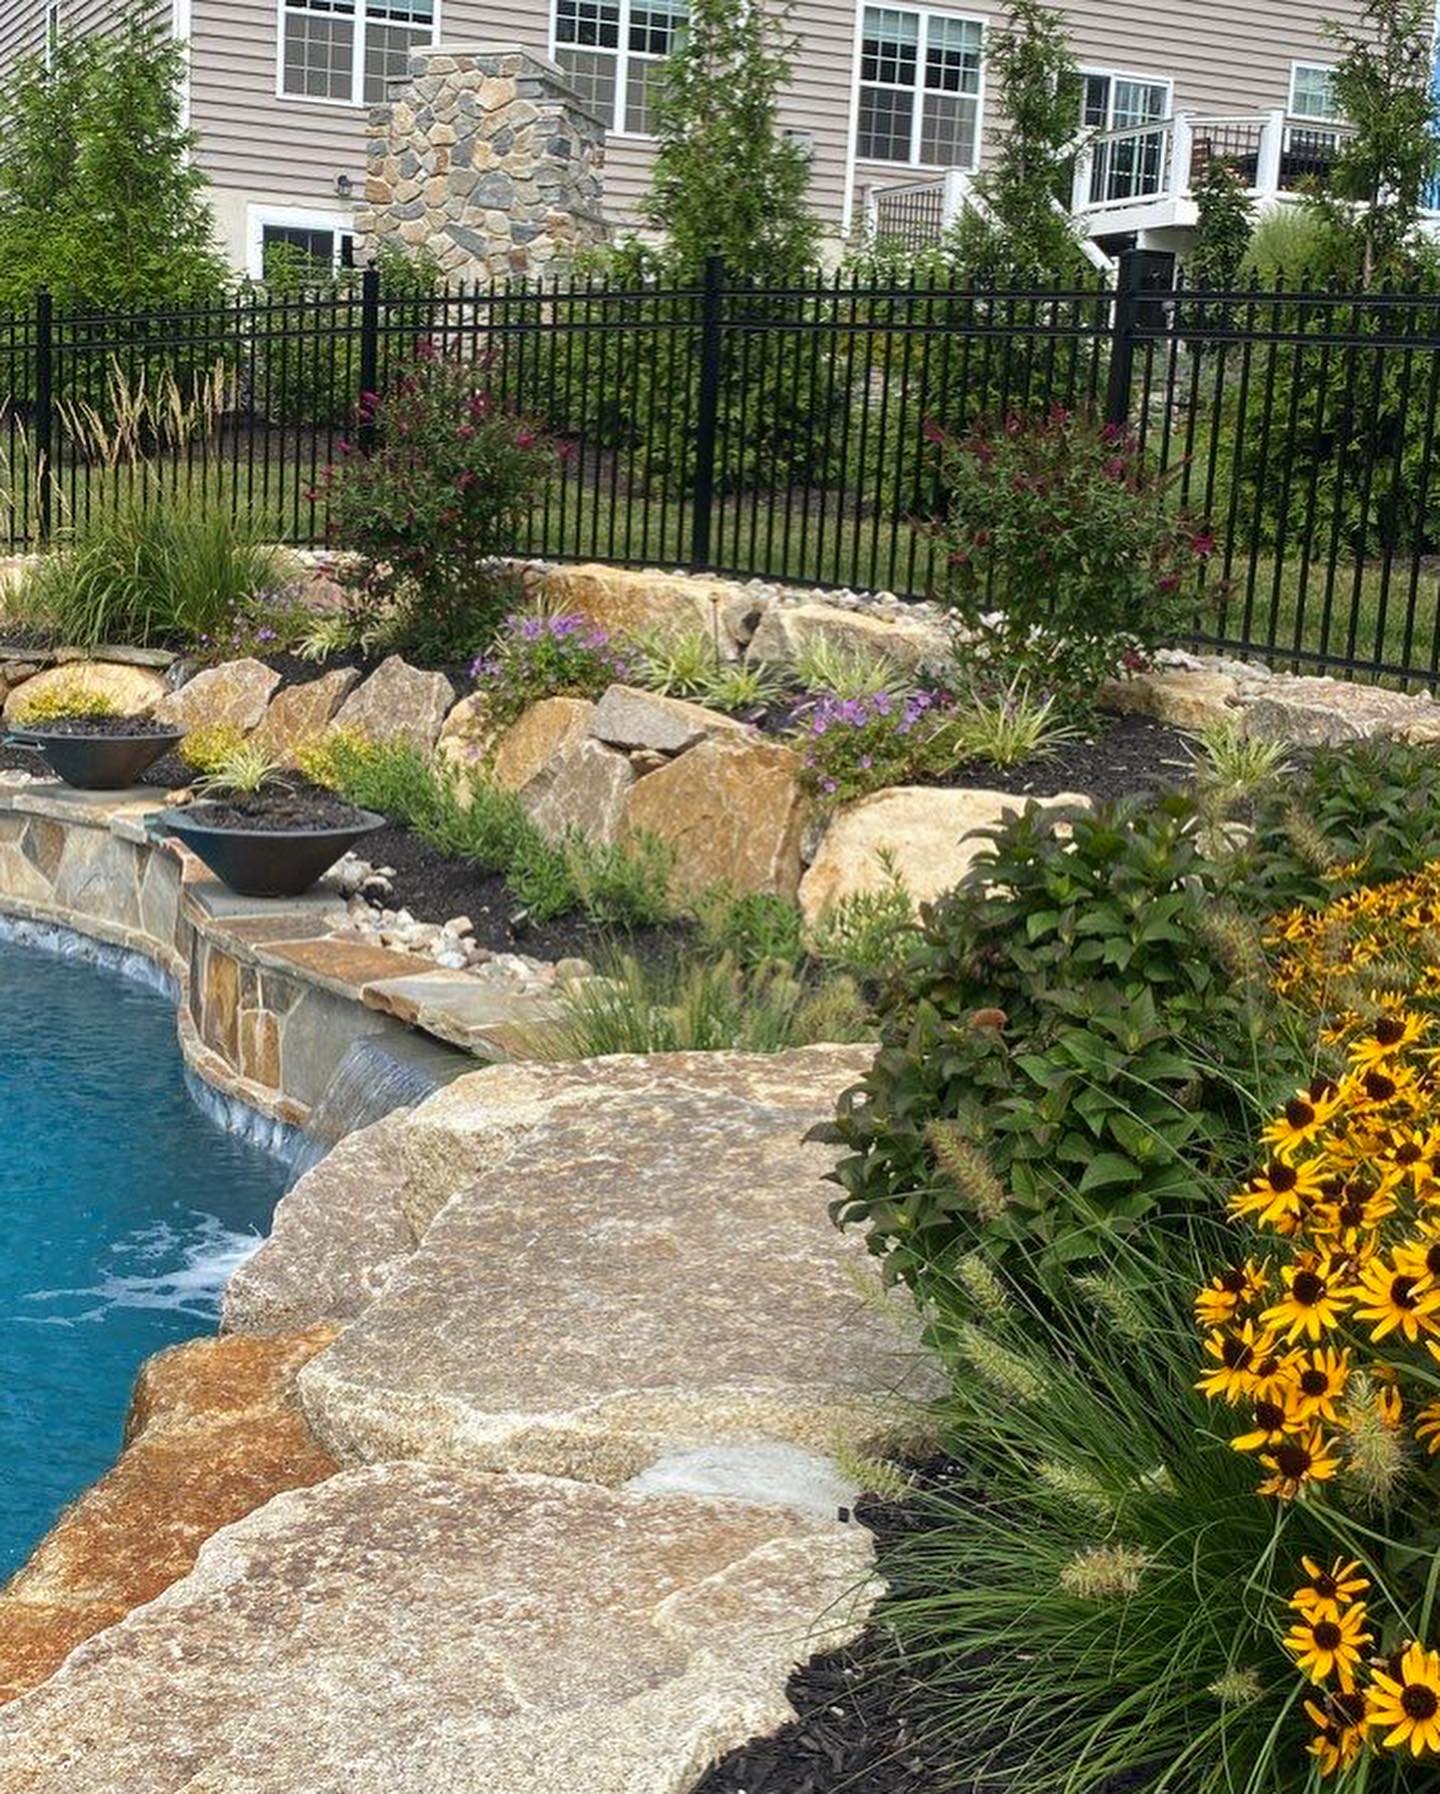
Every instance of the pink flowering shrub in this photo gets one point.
(1068, 556)
(545, 657)
(855, 745)
(446, 490)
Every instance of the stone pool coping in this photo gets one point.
(271, 993)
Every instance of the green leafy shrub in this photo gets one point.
(1060, 1056)
(446, 492)
(535, 657)
(1065, 552)
(168, 569)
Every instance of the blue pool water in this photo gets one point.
(124, 1209)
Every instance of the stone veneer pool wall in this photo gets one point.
(271, 994)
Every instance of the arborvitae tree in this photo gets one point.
(1225, 222)
(725, 180)
(1027, 240)
(100, 198)
(1382, 86)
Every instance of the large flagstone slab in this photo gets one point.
(413, 1629)
(638, 1263)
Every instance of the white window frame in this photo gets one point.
(357, 101)
(257, 218)
(1309, 119)
(624, 56)
(917, 122)
(1141, 80)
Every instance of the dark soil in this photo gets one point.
(94, 726)
(279, 809)
(855, 1732)
(1125, 756)
(295, 670)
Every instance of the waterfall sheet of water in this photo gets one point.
(376, 1076)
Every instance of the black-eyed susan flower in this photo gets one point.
(1339, 1729)
(1236, 1354)
(1313, 1303)
(1392, 1300)
(1318, 1382)
(1306, 1116)
(1270, 1421)
(1327, 1593)
(1225, 1296)
(1390, 1036)
(1405, 1705)
(1280, 1193)
(1297, 1462)
(1427, 1427)
(1420, 1259)
(1329, 1645)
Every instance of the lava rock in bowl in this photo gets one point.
(273, 843)
(97, 753)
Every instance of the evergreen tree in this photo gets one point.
(100, 199)
(1224, 223)
(725, 180)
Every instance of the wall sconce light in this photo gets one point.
(344, 187)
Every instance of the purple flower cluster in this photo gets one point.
(859, 713)
(855, 744)
(571, 636)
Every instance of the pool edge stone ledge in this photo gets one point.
(270, 994)
(533, 1276)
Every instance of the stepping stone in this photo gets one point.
(416, 1629)
(640, 1264)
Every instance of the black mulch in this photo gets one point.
(855, 1732)
(278, 810)
(1124, 756)
(91, 726)
(295, 670)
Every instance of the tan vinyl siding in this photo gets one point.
(22, 32)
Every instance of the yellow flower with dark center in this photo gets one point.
(1391, 1035)
(1327, 1593)
(1382, 1086)
(1312, 1304)
(1427, 1427)
(1420, 1259)
(1223, 1297)
(1280, 1192)
(1329, 1645)
(1355, 1212)
(1339, 1729)
(1318, 1382)
(1306, 1116)
(1295, 1463)
(1408, 1157)
(1405, 1705)
(1390, 1299)
(1271, 1421)
(1236, 1355)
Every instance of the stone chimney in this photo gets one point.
(488, 160)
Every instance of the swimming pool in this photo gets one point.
(125, 1208)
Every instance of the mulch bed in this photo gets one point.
(1126, 756)
(855, 1732)
(278, 810)
(92, 726)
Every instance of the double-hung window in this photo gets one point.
(612, 50)
(920, 87)
(349, 51)
(1312, 92)
(1133, 165)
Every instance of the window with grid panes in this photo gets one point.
(350, 50)
(612, 50)
(920, 84)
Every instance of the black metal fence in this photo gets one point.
(788, 433)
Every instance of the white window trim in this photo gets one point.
(357, 61)
(1138, 76)
(925, 13)
(289, 218)
(1308, 118)
(623, 55)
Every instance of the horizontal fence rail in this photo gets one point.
(790, 433)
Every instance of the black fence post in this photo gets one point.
(1124, 311)
(712, 302)
(369, 355)
(44, 412)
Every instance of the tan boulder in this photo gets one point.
(531, 746)
(909, 642)
(1175, 695)
(928, 835)
(398, 703)
(583, 790)
(733, 811)
(300, 713)
(1327, 712)
(627, 601)
(133, 691)
(213, 1433)
(234, 695)
(426, 1629)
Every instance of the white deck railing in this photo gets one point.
(916, 214)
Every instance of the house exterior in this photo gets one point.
(885, 96)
